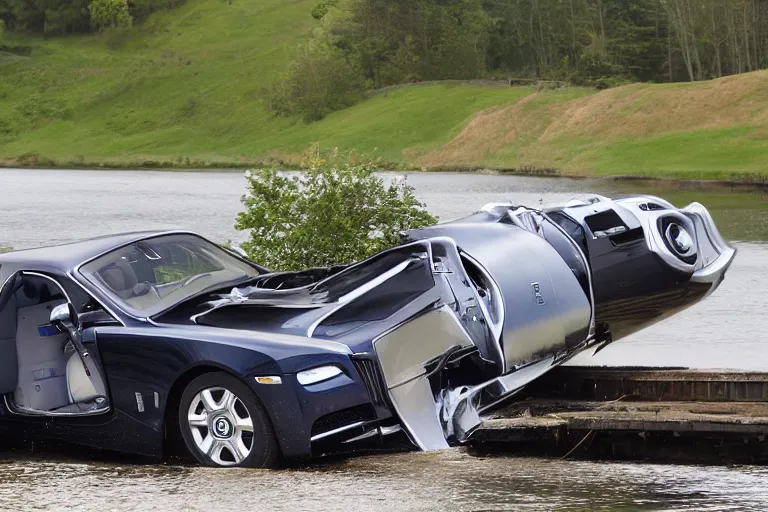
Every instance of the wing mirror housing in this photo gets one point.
(61, 313)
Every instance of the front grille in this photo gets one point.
(343, 418)
(374, 383)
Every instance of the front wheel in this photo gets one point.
(224, 424)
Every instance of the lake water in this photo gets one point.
(727, 330)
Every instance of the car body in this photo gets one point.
(132, 341)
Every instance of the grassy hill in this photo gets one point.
(185, 89)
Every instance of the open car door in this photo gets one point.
(9, 368)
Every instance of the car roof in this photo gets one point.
(67, 256)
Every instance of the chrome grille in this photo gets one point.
(369, 372)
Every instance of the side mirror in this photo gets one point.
(61, 313)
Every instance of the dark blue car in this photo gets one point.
(135, 342)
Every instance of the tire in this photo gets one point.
(224, 424)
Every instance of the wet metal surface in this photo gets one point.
(726, 330)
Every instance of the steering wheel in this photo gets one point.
(9, 289)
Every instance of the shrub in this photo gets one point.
(106, 14)
(337, 211)
(317, 82)
(5, 249)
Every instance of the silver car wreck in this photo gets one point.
(464, 314)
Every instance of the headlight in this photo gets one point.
(319, 374)
(679, 239)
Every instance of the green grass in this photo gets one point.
(184, 89)
(736, 152)
(416, 119)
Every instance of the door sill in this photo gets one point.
(24, 411)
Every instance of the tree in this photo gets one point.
(338, 211)
(317, 81)
(106, 14)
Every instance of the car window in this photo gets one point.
(153, 275)
(180, 263)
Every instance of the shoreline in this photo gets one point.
(746, 185)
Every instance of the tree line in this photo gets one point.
(75, 16)
(368, 44)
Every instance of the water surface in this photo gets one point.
(450, 481)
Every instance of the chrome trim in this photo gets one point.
(329, 372)
(313, 327)
(38, 274)
(385, 431)
(90, 294)
(367, 435)
(336, 431)
(276, 380)
(23, 411)
(191, 332)
(354, 294)
(154, 234)
(147, 236)
(496, 328)
(435, 439)
(194, 318)
(461, 414)
(408, 389)
(370, 285)
(713, 272)
(381, 431)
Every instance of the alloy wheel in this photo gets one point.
(221, 426)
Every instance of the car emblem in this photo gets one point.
(222, 427)
(537, 297)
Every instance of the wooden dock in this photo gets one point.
(670, 414)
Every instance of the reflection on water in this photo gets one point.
(726, 330)
(450, 481)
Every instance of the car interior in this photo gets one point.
(41, 371)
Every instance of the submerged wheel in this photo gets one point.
(224, 424)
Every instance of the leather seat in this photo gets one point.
(84, 388)
(120, 277)
(41, 363)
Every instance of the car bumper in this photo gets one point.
(307, 419)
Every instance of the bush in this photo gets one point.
(317, 82)
(106, 14)
(5, 249)
(593, 67)
(337, 211)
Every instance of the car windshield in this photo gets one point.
(153, 275)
